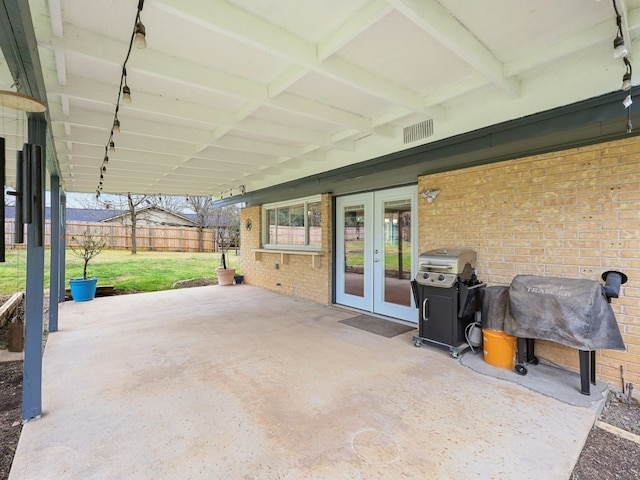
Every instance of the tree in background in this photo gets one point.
(223, 221)
(133, 204)
(171, 203)
(226, 225)
(202, 206)
(129, 204)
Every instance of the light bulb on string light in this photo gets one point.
(116, 125)
(126, 94)
(619, 48)
(626, 78)
(126, 91)
(140, 39)
(112, 146)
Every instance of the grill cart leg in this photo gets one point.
(520, 368)
(527, 344)
(587, 370)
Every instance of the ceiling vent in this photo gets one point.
(418, 131)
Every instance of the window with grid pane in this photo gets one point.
(295, 224)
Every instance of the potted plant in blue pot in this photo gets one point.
(86, 247)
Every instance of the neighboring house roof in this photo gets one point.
(210, 220)
(179, 218)
(73, 214)
(88, 215)
(109, 215)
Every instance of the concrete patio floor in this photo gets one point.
(241, 383)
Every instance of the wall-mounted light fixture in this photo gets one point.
(430, 195)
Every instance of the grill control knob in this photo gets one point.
(425, 275)
(441, 277)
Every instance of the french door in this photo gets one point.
(376, 251)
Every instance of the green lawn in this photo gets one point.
(355, 255)
(143, 272)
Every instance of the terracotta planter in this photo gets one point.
(225, 275)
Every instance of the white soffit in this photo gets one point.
(259, 92)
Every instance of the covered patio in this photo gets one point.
(197, 383)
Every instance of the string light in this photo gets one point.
(241, 190)
(138, 37)
(620, 50)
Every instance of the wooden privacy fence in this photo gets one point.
(153, 238)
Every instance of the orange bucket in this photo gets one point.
(499, 348)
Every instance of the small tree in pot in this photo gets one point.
(86, 247)
(226, 225)
(225, 239)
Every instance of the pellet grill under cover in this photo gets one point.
(446, 294)
(572, 312)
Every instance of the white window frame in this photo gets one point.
(289, 203)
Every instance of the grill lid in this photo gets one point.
(447, 260)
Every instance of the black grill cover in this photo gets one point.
(571, 312)
(495, 306)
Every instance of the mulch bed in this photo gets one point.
(10, 413)
(10, 399)
(606, 456)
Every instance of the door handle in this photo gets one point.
(425, 314)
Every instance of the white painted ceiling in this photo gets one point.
(259, 92)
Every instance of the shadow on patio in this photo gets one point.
(242, 383)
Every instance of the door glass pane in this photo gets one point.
(354, 250)
(397, 252)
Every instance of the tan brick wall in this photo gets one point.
(295, 276)
(571, 214)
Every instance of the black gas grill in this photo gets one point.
(445, 292)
